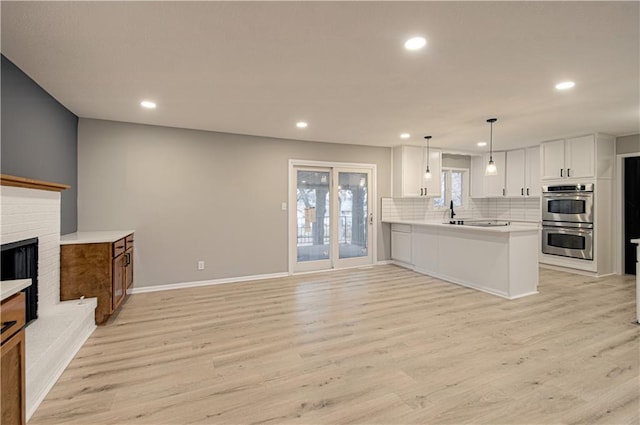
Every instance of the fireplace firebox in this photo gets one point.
(20, 261)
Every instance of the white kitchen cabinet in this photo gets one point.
(483, 186)
(523, 172)
(401, 243)
(409, 167)
(580, 157)
(570, 158)
(515, 178)
(533, 187)
(552, 159)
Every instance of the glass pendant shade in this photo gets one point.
(427, 174)
(491, 170)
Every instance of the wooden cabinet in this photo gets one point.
(12, 373)
(409, 167)
(488, 186)
(523, 172)
(102, 270)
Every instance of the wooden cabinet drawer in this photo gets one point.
(129, 241)
(13, 315)
(119, 247)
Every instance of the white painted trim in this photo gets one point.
(571, 270)
(384, 262)
(618, 239)
(59, 367)
(333, 270)
(199, 283)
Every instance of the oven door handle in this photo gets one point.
(568, 231)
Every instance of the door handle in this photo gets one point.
(421, 191)
(561, 173)
(568, 172)
(371, 219)
(7, 325)
(503, 192)
(425, 191)
(522, 191)
(527, 191)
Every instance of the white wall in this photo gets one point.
(628, 144)
(196, 195)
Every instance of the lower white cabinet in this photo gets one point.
(401, 243)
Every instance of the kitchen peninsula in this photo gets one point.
(500, 260)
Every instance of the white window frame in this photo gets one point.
(447, 185)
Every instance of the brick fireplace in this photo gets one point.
(30, 209)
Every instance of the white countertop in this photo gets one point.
(10, 287)
(512, 228)
(94, 237)
(635, 241)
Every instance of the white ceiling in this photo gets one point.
(259, 67)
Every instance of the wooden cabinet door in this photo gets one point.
(128, 275)
(580, 160)
(552, 156)
(118, 280)
(13, 381)
(515, 171)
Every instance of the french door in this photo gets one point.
(331, 217)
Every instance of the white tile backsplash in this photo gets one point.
(515, 209)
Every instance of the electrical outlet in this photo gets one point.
(200, 265)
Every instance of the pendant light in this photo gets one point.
(427, 174)
(491, 170)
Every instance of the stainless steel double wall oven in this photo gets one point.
(567, 220)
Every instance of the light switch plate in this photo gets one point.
(283, 206)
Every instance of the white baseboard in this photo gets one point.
(199, 283)
(384, 262)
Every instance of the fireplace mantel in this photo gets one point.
(7, 180)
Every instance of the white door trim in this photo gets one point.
(292, 249)
(618, 237)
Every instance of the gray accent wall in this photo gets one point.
(195, 195)
(39, 138)
(628, 144)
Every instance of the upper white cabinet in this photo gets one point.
(523, 172)
(488, 186)
(515, 184)
(409, 167)
(533, 186)
(589, 156)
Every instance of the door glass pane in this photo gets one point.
(313, 215)
(353, 212)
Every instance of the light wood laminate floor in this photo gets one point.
(374, 345)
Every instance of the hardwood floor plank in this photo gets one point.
(377, 345)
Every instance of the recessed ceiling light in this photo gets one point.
(565, 85)
(482, 144)
(405, 135)
(148, 104)
(301, 124)
(415, 43)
